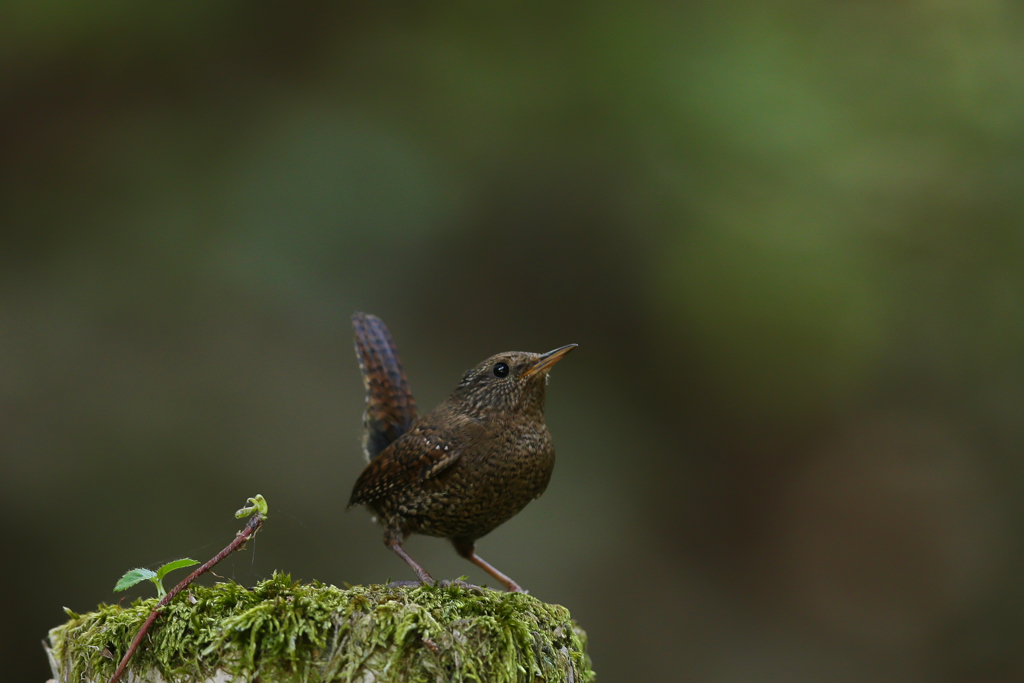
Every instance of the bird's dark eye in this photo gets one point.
(500, 370)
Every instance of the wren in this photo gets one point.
(464, 468)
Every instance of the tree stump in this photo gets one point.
(313, 633)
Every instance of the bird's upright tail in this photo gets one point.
(390, 408)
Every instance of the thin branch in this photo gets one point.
(251, 527)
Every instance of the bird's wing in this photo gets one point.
(390, 408)
(418, 455)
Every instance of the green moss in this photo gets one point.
(285, 631)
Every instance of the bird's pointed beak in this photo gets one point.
(548, 359)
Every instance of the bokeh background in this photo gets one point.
(787, 237)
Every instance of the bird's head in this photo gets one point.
(510, 381)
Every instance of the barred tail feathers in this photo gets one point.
(390, 408)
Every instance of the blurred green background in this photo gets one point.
(787, 237)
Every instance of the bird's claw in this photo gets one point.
(461, 584)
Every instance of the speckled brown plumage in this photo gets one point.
(464, 468)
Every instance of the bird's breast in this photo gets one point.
(514, 464)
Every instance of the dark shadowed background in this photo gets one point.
(788, 238)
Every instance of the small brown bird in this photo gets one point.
(464, 468)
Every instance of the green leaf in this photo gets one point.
(171, 566)
(256, 504)
(132, 577)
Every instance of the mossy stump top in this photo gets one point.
(285, 631)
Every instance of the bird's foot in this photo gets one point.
(461, 584)
(514, 587)
(405, 584)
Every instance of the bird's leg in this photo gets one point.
(393, 539)
(468, 550)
